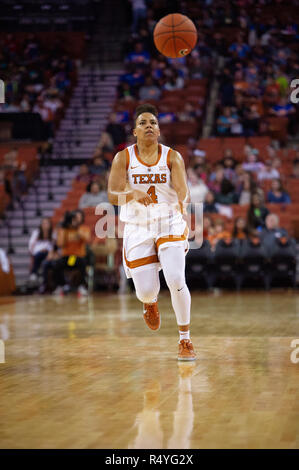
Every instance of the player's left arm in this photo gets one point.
(179, 177)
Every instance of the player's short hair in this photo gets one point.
(145, 108)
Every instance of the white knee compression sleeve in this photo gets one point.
(172, 260)
(147, 284)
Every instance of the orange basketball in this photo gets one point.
(175, 35)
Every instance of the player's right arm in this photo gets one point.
(119, 192)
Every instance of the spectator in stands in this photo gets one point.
(226, 195)
(139, 12)
(286, 109)
(46, 115)
(229, 163)
(219, 233)
(139, 56)
(278, 194)
(125, 92)
(295, 169)
(52, 101)
(252, 163)
(210, 203)
(252, 113)
(105, 144)
(200, 168)
(166, 116)
(84, 176)
(246, 188)
(72, 238)
(95, 194)
(197, 187)
(149, 91)
(268, 172)
(240, 231)
(188, 113)
(216, 179)
(257, 213)
(99, 165)
(227, 92)
(14, 175)
(272, 229)
(116, 130)
(224, 122)
(240, 48)
(208, 226)
(40, 245)
(283, 108)
(174, 81)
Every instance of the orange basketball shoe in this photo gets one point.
(186, 351)
(151, 315)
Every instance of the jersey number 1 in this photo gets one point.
(152, 192)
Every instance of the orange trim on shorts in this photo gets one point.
(168, 159)
(141, 261)
(127, 158)
(172, 238)
(147, 164)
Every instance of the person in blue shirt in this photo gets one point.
(277, 194)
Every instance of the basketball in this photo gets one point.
(175, 35)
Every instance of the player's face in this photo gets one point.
(147, 127)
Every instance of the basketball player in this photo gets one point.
(148, 181)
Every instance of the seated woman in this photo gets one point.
(94, 195)
(72, 239)
(278, 194)
(210, 203)
(240, 231)
(40, 245)
(257, 213)
(247, 186)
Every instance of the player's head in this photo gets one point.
(146, 126)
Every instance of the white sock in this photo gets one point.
(184, 335)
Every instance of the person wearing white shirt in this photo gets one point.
(268, 172)
(40, 245)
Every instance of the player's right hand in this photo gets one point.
(142, 197)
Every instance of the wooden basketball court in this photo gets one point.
(89, 374)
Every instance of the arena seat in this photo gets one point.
(213, 148)
(198, 265)
(278, 127)
(236, 144)
(182, 149)
(226, 262)
(261, 144)
(254, 263)
(181, 133)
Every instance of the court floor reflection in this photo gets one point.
(148, 422)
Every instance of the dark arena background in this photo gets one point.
(78, 367)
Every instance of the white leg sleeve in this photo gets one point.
(172, 260)
(147, 284)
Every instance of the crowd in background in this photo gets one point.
(36, 78)
(259, 63)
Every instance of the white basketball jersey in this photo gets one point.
(153, 179)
